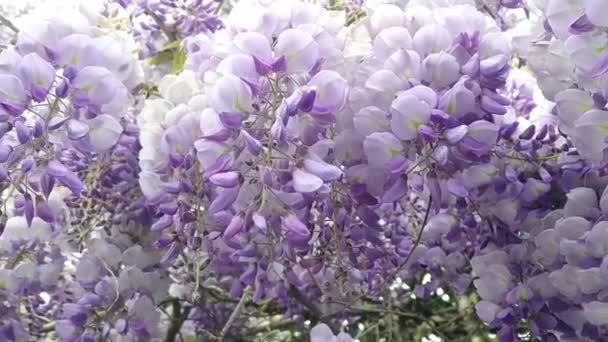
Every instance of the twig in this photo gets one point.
(207, 333)
(407, 259)
(488, 9)
(179, 317)
(4, 21)
(380, 311)
(367, 330)
(411, 253)
(298, 296)
(197, 281)
(22, 253)
(362, 311)
(235, 314)
(295, 293)
(272, 326)
(219, 7)
(48, 327)
(217, 294)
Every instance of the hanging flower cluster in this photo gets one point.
(304, 170)
(234, 161)
(157, 23)
(76, 249)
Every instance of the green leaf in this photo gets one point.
(172, 45)
(179, 59)
(161, 57)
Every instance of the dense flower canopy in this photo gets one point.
(261, 170)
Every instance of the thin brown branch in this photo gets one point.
(269, 327)
(4, 21)
(362, 311)
(178, 319)
(416, 244)
(488, 10)
(295, 293)
(235, 314)
(219, 6)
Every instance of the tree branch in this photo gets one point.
(363, 311)
(178, 319)
(295, 293)
(390, 279)
(488, 10)
(384, 312)
(219, 6)
(235, 314)
(4, 21)
(271, 326)
(299, 297)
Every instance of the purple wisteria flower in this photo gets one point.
(331, 171)
(157, 23)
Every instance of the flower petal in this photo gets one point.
(304, 181)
